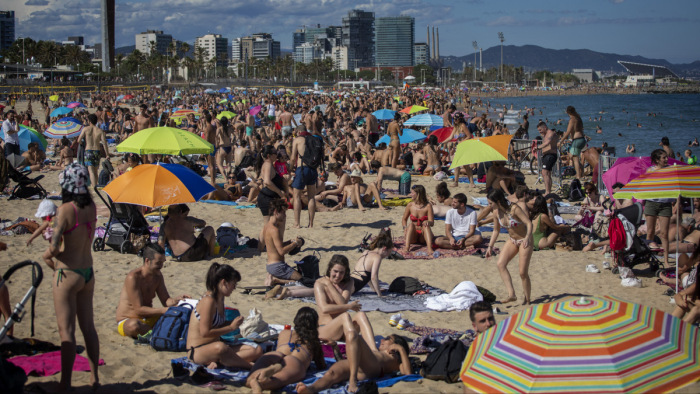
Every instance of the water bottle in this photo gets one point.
(421, 254)
(436, 254)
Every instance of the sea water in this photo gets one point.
(639, 119)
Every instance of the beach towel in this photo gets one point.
(431, 338)
(48, 364)
(238, 377)
(230, 203)
(395, 202)
(464, 179)
(462, 297)
(420, 252)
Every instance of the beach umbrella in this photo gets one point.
(70, 119)
(53, 97)
(384, 114)
(673, 181)
(424, 120)
(66, 127)
(510, 121)
(255, 110)
(209, 91)
(60, 111)
(157, 185)
(406, 137)
(75, 104)
(584, 345)
(27, 135)
(413, 109)
(128, 96)
(224, 101)
(442, 134)
(165, 140)
(627, 168)
(480, 150)
(225, 114)
(224, 90)
(120, 97)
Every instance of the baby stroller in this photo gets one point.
(636, 251)
(13, 378)
(126, 223)
(26, 187)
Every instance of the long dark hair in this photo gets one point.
(656, 155)
(82, 200)
(498, 197)
(538, 207)
(216, 273)
(306, 327)
(339, 259)
(383, 240)
(442, 191)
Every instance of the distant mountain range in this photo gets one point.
(533, 58)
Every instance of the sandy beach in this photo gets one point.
(132, 368)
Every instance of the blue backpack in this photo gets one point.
(170, 332)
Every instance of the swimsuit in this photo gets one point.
(577, 145)
(537, 234)
(86, 273)
(218, 321)
(512, 223)
(92, 158)
(198, 251)
(149, 321)
(364, 275)
(418, 222)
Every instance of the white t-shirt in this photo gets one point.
(271, 110)
(461, 223)
(6, 127)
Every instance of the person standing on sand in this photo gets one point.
(144, 121)
(305, 175)
(578, 140)
(74, 278)
(93, 136)
(548, 146)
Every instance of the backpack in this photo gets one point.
(445, 362)
(575, 192)
(308, 268)
(170, 332)
(617, 234)
(313, 151)
(405, 285)
(227, 238)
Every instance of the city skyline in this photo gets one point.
(611, 26)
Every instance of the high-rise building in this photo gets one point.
(7, 29)
(307, 52)
(394, 37)
(340, 58)
(421, 53)
(358, 36)
(215, 46)
(298, 37)
(161, 41)
(259, 46)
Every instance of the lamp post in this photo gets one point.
(422, 73)
(476, 48)
(500, 37)
(24, 60)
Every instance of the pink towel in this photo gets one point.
(48, 364)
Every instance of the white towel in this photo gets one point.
(462, 297)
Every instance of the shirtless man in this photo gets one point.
(144, 121)
(287, 121)
(372, 126)
(34, 157)
(240, 153)
(343, 180)
(135, 312)
(178, 232)
(249, 126)
(550, 140)
(93, 136)
(278, 272)
(394, 174)
(305, 177)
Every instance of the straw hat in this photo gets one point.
(356, 173)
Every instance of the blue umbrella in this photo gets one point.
(223, 90)
(120, 97)
(25, 137)
(210, 91)
(384, 114)
(407, 137)
(60, 111)
(424, 120)
(70, 119)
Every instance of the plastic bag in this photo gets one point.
(254, 323)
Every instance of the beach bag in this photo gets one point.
(313, 151)
(227, 237)
(445, 362)
(405, 285)
(12, 377)
(616, 232)
(575, 192)
(170, 332)
(254, 323)
(308, 268)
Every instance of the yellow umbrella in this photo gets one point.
(54, 97)
(480, 150)
(226, 114)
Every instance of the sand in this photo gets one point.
(554, 274)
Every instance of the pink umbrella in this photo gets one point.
(255, 110)
(627, 168)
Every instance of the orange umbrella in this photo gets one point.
(413, 109)
(480, 150)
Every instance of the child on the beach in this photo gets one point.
(46, 211)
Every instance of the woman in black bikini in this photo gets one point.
(519, 228)
(274, 186)
(73, 279)
(295, 351)
(367, 266)
(208, 324)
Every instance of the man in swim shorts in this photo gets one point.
(278, 272)
(93, 136)
(550, 139)
(135, 312)
(393, 174)
(177, 232)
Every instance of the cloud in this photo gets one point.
(617, 1)
(37, 2)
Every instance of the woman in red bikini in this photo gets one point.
(70, 256)
(420, 212)
(519, 228)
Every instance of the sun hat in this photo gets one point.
(356, 173)
(74, 179)
(46, 208)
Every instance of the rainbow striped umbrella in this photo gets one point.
(66, 127)
(584, 345)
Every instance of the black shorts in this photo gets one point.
(198, 251)
(549, 160)
(264, 202)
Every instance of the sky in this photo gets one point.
(650, 28)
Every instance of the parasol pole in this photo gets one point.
(679, 215)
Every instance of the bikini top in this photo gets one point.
(78, 224)
(510, 222)
(219, 319)
(419, 221)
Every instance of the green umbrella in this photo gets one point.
(165, 140)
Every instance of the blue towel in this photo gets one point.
(220, 202)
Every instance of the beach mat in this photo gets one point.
(238, 377)
(420, 252)
(396, 202)
(230, 203)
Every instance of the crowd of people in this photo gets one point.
(277, 150)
